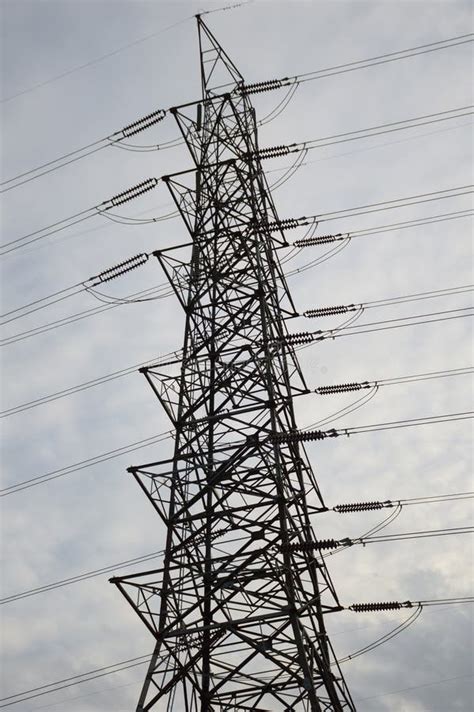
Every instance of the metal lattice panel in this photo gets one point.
(237, 615)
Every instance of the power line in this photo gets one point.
(414, 687)
(386, 324)
(83, 464)
(131, 662)
(106, 275)
(77, 578)
(306, 338)
(337, 544)
(75, 389)
(371, 388)
(95, 61)
(296, 79)
(308, 265)
(102, 208)
(322, 312)
(367, 132)
(80, 577)
(373, 505)
(152, 182)
(356, 65)
(305, 434)
(297, 436)
(387, 57)
(342, 240)
(160, 291)
(389, 204)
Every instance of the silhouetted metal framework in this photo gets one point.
(237, 617)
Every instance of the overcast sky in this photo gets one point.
(75, 71)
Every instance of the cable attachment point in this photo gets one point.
(259, 87)
(144, 123)
(131, 193)
(287, 224)
(274, 151)
(304, 436)
(387, 606)
(301, 337)
(329, 311)
(319, 240)
(308, 546)
(361, 506)
(121, 268)
(342, 388)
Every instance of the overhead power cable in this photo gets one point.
(338, 69)
(417, 608)
(282, 437)
(308, 265)
(50, 397)
(370, 388)
(149, 184)
(391, 301)
(304, 338)
(119, 199)
(84, 464)
(436, 682)
(381, 206)
(139, 660)
(342, 240)
(325, 544)
(361, 385)
(73, 680)
(144, 123)
(356, 507)
(321, 390)
(160, 291)
(304, 435)
(284, 150)
(81, 577)
(105, 276)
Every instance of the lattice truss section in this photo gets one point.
(236, 616)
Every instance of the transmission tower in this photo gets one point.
(237, 615)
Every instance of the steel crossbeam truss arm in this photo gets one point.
(237, 616)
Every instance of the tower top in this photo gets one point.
(217, 69)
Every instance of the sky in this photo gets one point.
(74, 72)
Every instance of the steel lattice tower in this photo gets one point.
(237, 617)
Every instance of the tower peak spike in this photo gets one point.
(217, 68)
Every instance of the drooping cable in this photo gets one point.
(355, 65)
(356, 507)
(51, 397)
(322, 312)
(139, 660)
(296, 436)
(158, 115)
(305, 338)
(325, 544)
(380, 206)
(105, 276)
(119, 199)
(84, 464)
(308, 242)
(160, 291)
(66, 159)
(341, 509)
(369, 132)
(84, 576)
